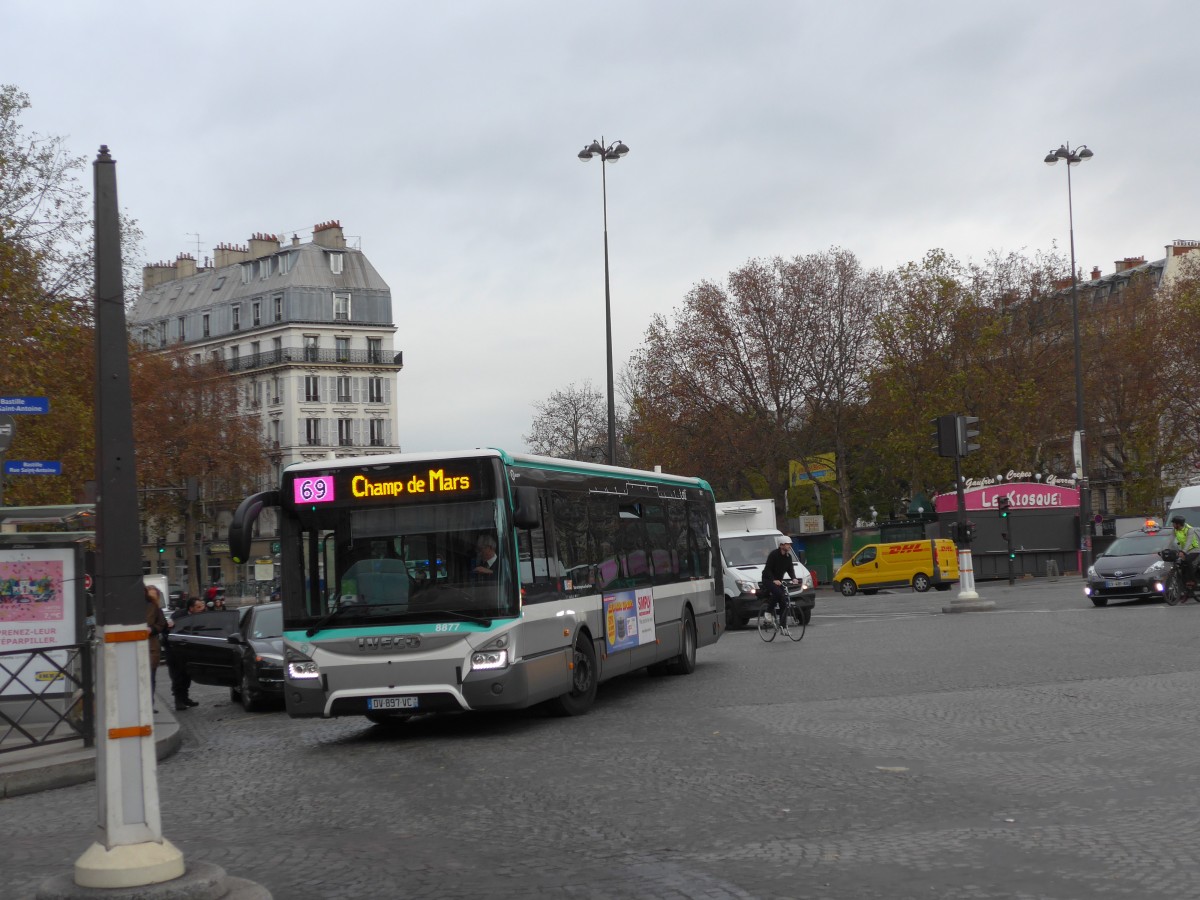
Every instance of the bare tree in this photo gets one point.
(571, 423)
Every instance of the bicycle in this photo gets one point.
(793, 622)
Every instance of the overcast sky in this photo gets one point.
(444, 137)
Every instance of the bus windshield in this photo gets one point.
(433, 562)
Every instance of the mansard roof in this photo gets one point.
(307, 267)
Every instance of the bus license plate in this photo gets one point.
(1124, 582)
(392, 703)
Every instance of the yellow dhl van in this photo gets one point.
(917, 563)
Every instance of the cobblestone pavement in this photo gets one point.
(1044, 751)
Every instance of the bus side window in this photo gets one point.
(539, 576)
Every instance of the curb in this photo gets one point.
(48, 767)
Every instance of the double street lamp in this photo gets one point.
(609, 154)
(1074, 158)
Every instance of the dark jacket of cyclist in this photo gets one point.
(779, 564)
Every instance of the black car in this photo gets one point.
(1132, 568)
(241, 648)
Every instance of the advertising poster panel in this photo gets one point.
(629, 618)
(37, 610)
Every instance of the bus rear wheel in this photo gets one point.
(579, 699)
(685, 662)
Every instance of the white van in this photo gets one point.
(747, 532)
(1187, 502)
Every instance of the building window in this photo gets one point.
(312, 388)
(312, 345)
(374, 390)
(275, 398)
(277, 303)
(254, 350)
(204, 325)
(234, 352)
(374, 350)
(312, 432)
(237, 318)
(285, 263)
(247, 272)
(182, 328)
(256, 313)
(343, 349)
(274, 434)
(335, 263)
(220, 283)
(341, 307)
(256, 400)
(343, 389)
(378, 432)
(344, 439)
(162, 334)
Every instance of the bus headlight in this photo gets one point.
(301, 668)
(492, 655)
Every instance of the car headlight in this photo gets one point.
(269, 660)
(1092, 573)
(747, 587)
(492, 655)
(1157, 569)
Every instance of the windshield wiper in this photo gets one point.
(341, 608)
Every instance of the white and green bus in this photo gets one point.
(421, 583)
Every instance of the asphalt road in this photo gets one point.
(1042, 751)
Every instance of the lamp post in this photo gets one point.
(609, 154)
(1074, 158)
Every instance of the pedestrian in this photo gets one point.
(181, 682)
(156, 621)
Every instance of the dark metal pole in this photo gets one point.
(1085, 499)
(612, 409)
(119, 596)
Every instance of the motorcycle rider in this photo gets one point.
(1187, 542)
(779, 564)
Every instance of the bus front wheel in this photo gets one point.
(579, 699)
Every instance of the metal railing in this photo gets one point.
(63, 710)
(302, 355)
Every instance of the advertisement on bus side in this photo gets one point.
(629, 618)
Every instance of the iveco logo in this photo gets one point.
(390, 642)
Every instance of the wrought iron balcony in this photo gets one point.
(305, 356)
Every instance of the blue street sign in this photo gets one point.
(14, 405)
(31, 467)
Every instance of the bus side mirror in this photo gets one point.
(241, 528)
(525, 508)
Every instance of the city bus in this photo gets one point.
(429, 583)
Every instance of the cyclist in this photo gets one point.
(1187, 541)
(779, 564)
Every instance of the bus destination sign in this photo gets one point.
(383, 484)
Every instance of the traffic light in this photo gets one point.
(944, 440)
(968, 432)
(1002, 505)
(162, 545)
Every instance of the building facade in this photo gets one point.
(306, 330)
